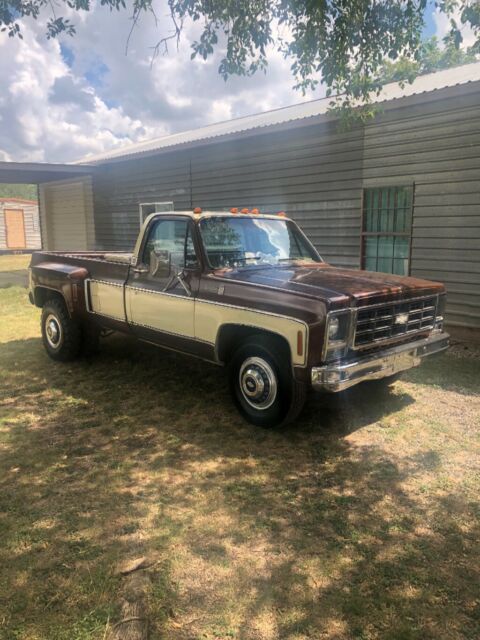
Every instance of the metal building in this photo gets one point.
(400, 194)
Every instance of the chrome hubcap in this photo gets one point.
(53, 331)
(258, 383)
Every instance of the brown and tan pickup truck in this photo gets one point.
(246, 291)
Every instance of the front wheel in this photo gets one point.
(61, 335)
(262, 383)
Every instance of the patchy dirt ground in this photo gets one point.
(359, 522)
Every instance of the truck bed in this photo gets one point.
(47, 266)
(71, 257)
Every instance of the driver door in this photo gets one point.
(161, 289)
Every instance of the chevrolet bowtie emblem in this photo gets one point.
(401, 318)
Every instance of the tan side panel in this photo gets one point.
(170, 313)
(107, 299)
(210, 317)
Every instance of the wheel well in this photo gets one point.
(42, 294)
(231, 336)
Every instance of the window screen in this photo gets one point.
(146, 208)
(386, 230)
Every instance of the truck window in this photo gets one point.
(232, 242)
(174, 236)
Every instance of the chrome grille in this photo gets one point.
(394, 320)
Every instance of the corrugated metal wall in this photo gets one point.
(31, 221)
(317, 174)
(119, 189)
(313, 173)
(66, 211)
(436, 147)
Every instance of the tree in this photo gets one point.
(343, 42)
(431, 57)
(25, 191)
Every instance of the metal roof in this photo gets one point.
(35, 172)
(313, 109)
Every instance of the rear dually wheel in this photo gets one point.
(60, 333)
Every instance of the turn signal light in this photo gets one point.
(299, 343)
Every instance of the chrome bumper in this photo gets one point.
(339, 376)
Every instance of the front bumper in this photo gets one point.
(339, 376)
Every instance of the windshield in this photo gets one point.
(233, 242)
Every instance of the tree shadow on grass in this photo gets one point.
(460, 375)
(286, 534)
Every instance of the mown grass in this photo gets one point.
(359, 522)
(14, 262)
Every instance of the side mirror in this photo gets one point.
(160, 263)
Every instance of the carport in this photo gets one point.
(65, 190)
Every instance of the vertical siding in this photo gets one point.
(120, 187)
(69, 222)
(437, 147)
(31, 221)
(313, 173)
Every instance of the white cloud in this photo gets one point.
(442, 23)
(54, 111)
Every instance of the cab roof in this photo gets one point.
(241, 213)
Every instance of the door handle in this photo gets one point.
(140, 269)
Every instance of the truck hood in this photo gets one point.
(337, 287)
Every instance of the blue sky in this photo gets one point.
(430, 25)
(63, 99)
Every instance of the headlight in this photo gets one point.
(337, 334)
(333, 327)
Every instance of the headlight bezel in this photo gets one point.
(440, 312)
(338, 344)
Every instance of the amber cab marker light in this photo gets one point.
(197, 210)
(255, 212)
(282, 214)
(299, 343)
(234, 210)
(244, 211)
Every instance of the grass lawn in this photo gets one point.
(360, 522)
(12, 262)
